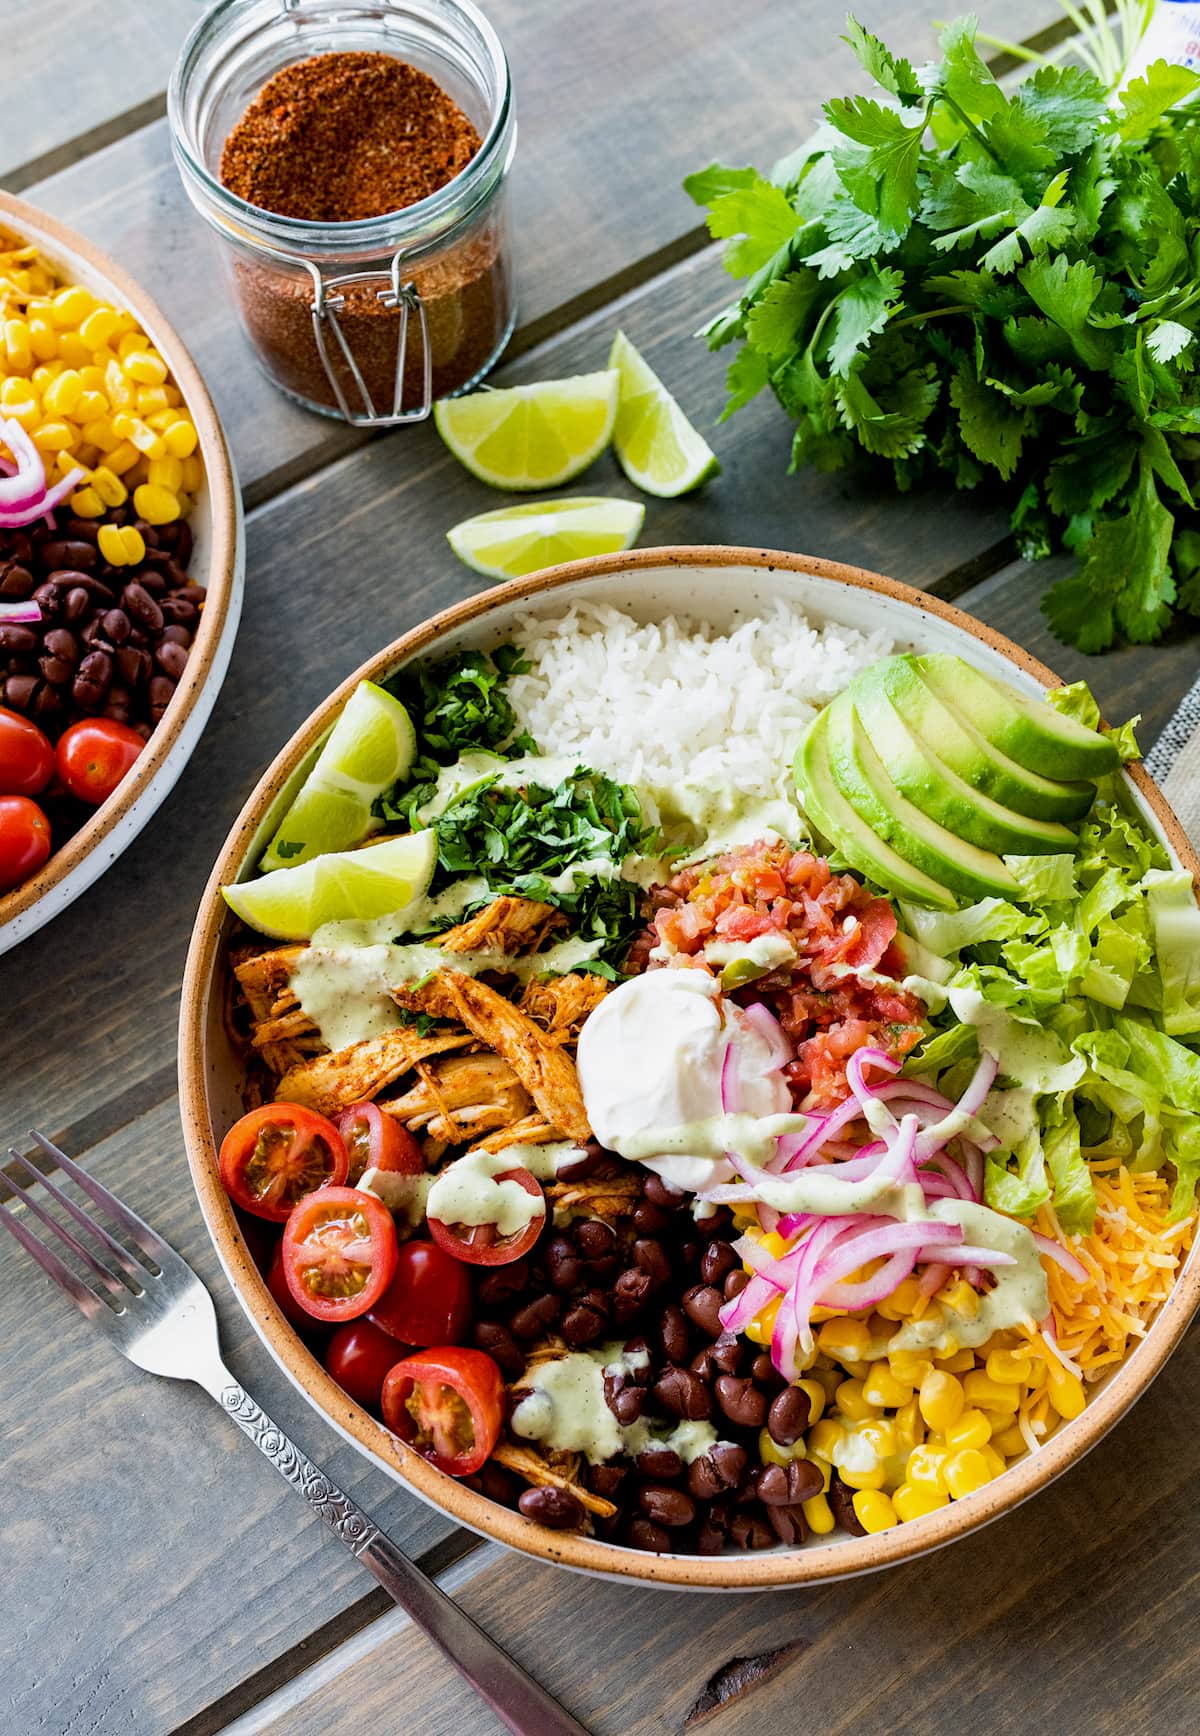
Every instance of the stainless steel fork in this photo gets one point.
(158, 1314)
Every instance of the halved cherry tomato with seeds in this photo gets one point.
(448, 1403)
(339, 1253)
(359, 1356)
(376, 1140)
(287, 1304)
(429, 1299)
(278, 1153)
(482, 1244)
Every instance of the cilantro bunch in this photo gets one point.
(1000, 288)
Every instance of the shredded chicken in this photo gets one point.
(331, 1082)
(561, 1004)
(532, 1130)
(530, 1465)
(461, 1097)
(508, 925)
(595, 1197)
(544, 1070)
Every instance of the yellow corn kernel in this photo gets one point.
(131, 341)
(53, 437)
(966, 1471)
(112, 545)
(121, 392)
(181, 438)
(824, 1438)
(109, 487)
(902, 1301)
(853, 1402)
(1009, 1443)
(941, 1400)
(995, 1464)
(193, 469)
(45, 372)
(161, 420)
(926, 1468)
(91, 408)
(99, 433)
(166, 473)
(989, 1394)
(15, 390)
(763, 1325)
(26, 411)
(957, 1362)
(43, 339)
(173, 396)
(72, 351)
(770, 1451)
(910, 1426)
(844, 1337)
(135, 544)
(882, 1388)
(814, 1392)
(1065, 1390)
(880, 1435)
(61, 397)
(66, 462)
(874, 1511)
(971, 1429)
(156, 504)
(872, 1479)
(99, 326)
(70, 307)
(122, 458)
(818, 1516)
(1009, 1367)
(910, 1366)
(913, 1503)
(151, 401)
(18, 346)
(960, 1298)
(86, 503)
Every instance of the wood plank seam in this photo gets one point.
(87, 144)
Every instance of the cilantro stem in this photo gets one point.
(920, 318)
(971, 127)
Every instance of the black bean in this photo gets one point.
(536, 1317)
(605, 1480)
(649, 1219)
(563, 1266)
(710, 1539)
(47, 703)
(594, 1239)
(703, 1479)
(117, 625)
(673, 1333)
(788, 1416)
(56, 670)
(629, 1294)
(140, 606)
(500, 1345)
(92, 681)
(638, 1347)
(502, 1283)
(651, 1257)
(748, 1531)
(702, 1305)
(196, 594)
(17, 581)
(172, 658)
(689, 1253)
(741, 1400)
(661, 1463)
(582, 1325)
(717, 1260)
(625, 1402)
(177, 635)
(841, 1499)
(134, 665)
(182, 541)
(660, 1192)
(727, 1353)
(735, 1283)
(764, 1371)
(788, 1524)
(666, 1506)
(18, 641)
(79, 552)
(730, 1461)
(19, 691)
(556, 1508)
(645, 1534)
(498, 1484)
(178, 612)
(684, 1394)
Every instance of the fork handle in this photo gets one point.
(517, 1700)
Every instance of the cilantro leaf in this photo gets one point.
(992, 428)
(708, 184)
(756, 220)
(862, 309)
(775, 320)
(1167, 339)
(976, 201)
(883, 180)
(748, 374)
(893, 73)
(1146, 100)
(1065, 293)
(964, 78)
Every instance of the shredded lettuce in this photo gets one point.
(1043, 879)
(1175, 924)
(1022, 1190)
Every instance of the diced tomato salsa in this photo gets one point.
(839, 932)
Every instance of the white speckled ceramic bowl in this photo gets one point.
(717, 585)
(216, 563)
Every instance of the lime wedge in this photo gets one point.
(370, 746)
(529, 437)
(346, 885)
(656, 445)
(517, 540)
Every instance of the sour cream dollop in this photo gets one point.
(650, 1056)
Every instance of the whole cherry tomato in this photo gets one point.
(93, 756)
(26, 756)
(24, 840)
(448, 1403)
(278, 1153)
(339, 1253)
(358, 1356)
(429, 1299)
(375, 1140)
(482, 1244)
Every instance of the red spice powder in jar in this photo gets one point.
(339, 138)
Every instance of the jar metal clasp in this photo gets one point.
(329, 301)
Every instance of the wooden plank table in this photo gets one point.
(158, 1578)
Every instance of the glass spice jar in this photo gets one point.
(374, 318)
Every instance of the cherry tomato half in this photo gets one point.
(339, 1253)
(278, 1153)
(481, 1244)
(375, 1140)
(358, 1356)
(429, 1299)
(93, 756)
(26, 756)
(24, 840)
(287, 1304)
(448, 1403)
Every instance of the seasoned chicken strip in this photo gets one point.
(509, 924)
(546, 1072)
(531, 1130)
(561, 1004)
(467, 1096)
(328, 1083)
(264, 975)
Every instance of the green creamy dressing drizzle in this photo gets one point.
(565, 1410)
(469, 1191)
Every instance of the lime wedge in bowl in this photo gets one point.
(355, 885)
(656, 445)
(527, 437)
(371, 745)
(516, 540)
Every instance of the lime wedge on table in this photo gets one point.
(351, 885)
(521, 539)
(370, 746)
(527, 437)
(656, 445)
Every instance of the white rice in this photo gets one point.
(674, 702)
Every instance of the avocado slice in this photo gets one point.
(975, 759)
(930, 784)
(859, 774)
(832, 816)
(1027, 730)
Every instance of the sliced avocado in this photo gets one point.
(929, 783)
(859, 774)
(832, 816)
(1027, 730)
(977, 761)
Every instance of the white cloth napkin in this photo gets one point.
(1174, 763)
